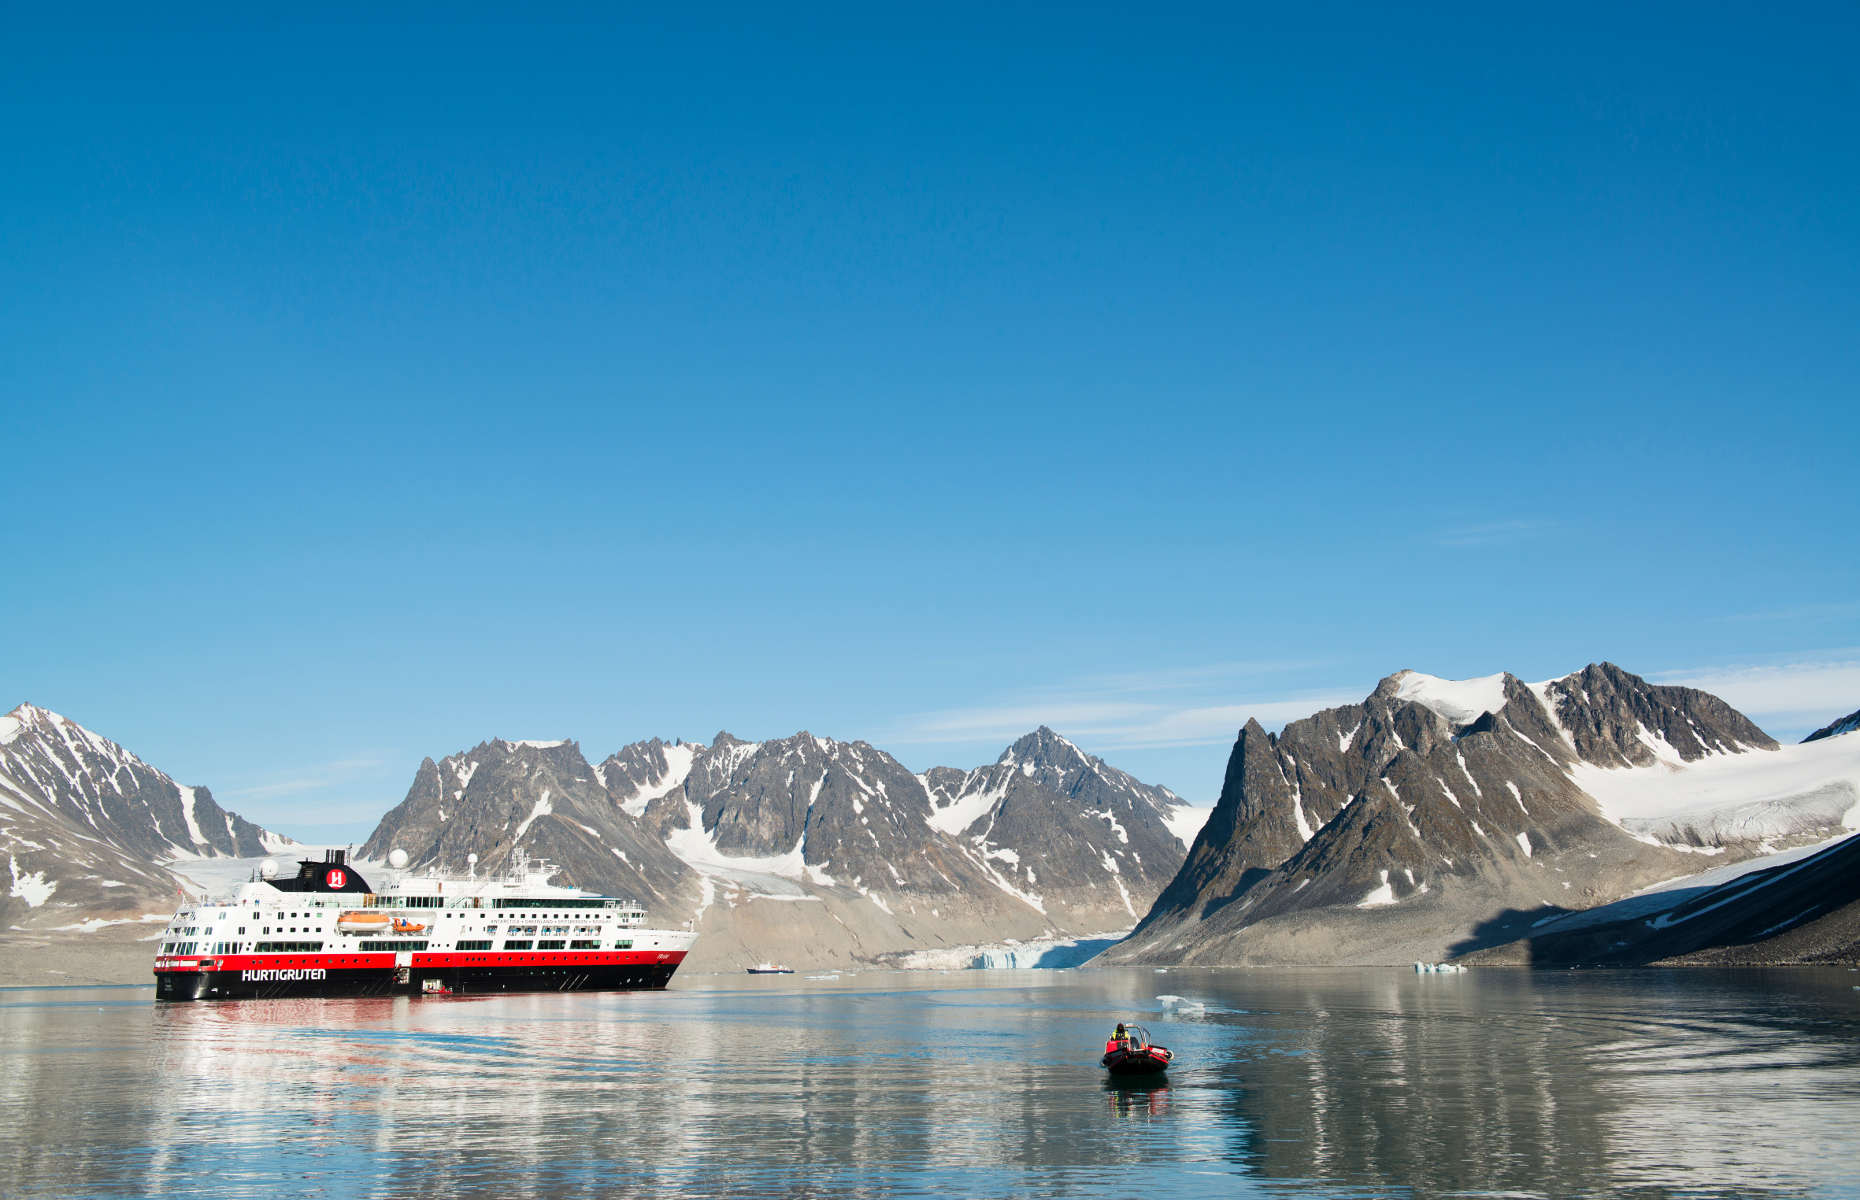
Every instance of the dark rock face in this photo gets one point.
(1424, 796)
(1254, 826)
(1605, 711)
(1847, 724)
(545, 800)
(94, 822)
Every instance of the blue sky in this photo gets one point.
(376, 387)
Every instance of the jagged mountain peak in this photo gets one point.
(1614, 718)
(1043, 745)
(535, 743)
(31, 718)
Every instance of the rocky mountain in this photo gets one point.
(1046, 818)
(1440, 811)
(1847, 724)
(814, 850)
(85, 825)
(542, 798)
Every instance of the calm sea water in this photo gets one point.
(970, 1084)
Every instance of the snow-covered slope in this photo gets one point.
(1749, 796)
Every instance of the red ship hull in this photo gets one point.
(279, 976)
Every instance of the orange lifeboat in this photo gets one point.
(362, 921)
(402, 925)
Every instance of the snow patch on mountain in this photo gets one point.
(30, 886)
(1460, 701)
(1186, 820)
(541, 808)
(967, 808)
(678, 760)
(1382, 895)
(699, 851)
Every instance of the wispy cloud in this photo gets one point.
(1150, 710)
(1215, 724)
(304, 779)
(1807, 691)
(1493, 533)
(1835, 611)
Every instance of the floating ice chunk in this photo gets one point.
(1182, 1006)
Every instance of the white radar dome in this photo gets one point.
(397, 858)
(269, 868)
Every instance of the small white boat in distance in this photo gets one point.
(769, 968)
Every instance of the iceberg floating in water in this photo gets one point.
(1423, 968)
(1182, 1006)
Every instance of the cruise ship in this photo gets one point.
(327, 932)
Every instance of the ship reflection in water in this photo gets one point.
(1296, 1083)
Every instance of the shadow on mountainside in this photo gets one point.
(1509, 928)
(1806, 911)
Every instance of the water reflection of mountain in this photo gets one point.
(1296, 1082)
(1599, 1084)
